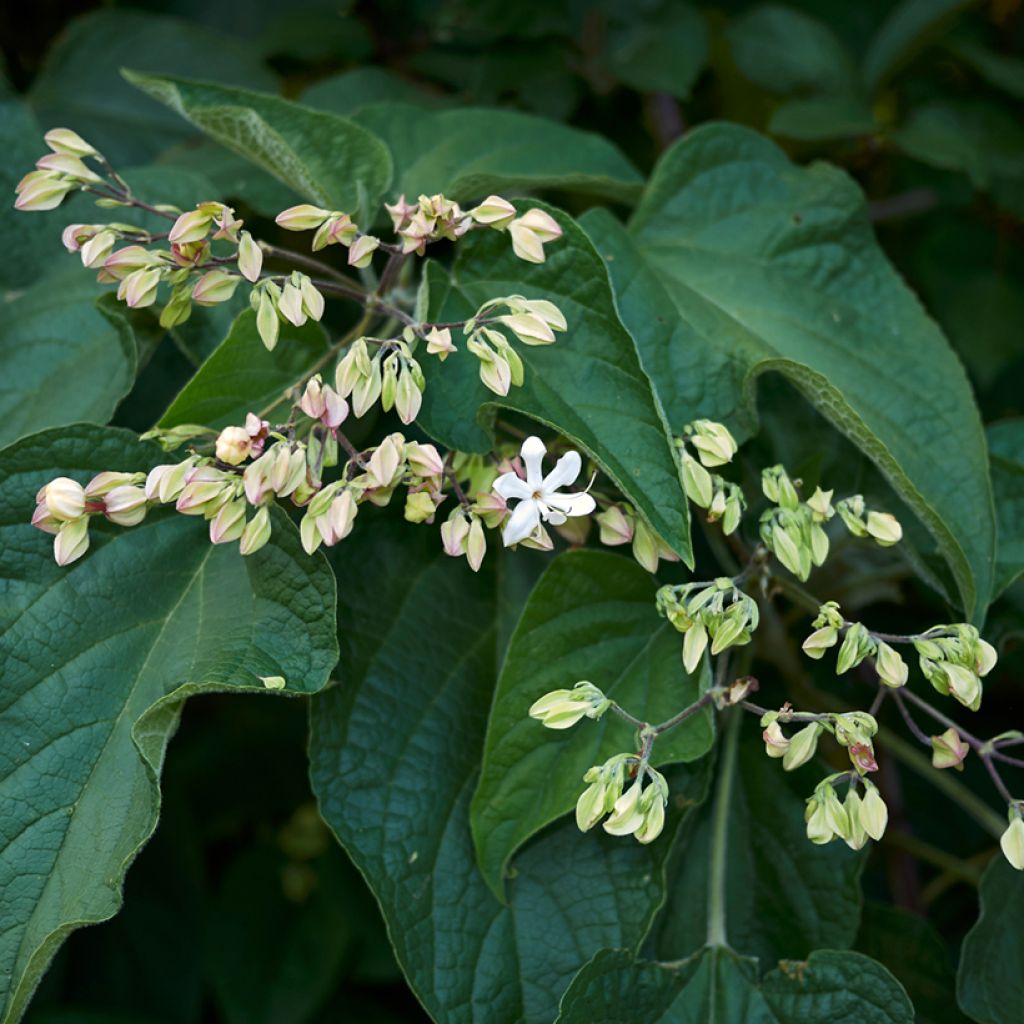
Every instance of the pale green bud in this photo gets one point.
(986, 659)
(125, 505)
(874, 815)
(476, 545)
(884, 528)
(616, 527)
(367, 389)
(439, 343)
(695, 642)
(302, 217)
(820, 503)
(890, 666)
(360, 253)
(229, 522)
(71, 541)
(778, 487)
(64, 140)
(1011, 842)
(267, 321)
(853, 514)
(256, 532)
(494, 212)
(857, 836)
(820, 641)
(715, 445)
(949, 750)
(627, 816)
(250, 257)
(645, 546)
(561, 709)
(819, 831)
(775, 742)
(419, 507)
(802, 747)
(857, 645)
(529, 328)
(64, 498)
(389, 382)
(696, 480)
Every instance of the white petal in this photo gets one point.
(551, 515)
(579, 504)
(523, 521)
(567, 468)
(510, 485)
(533, 452)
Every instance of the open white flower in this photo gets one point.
(538, 494)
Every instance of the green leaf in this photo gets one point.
(911, 947)
(979, 139)
(784, 896)
(241, 376)
(592, 616)
(738, 263)
(66, 354)
(352, 90)
(99, 658)
(395, 751)
(990, 985)
(1006, 448)
(473, 151)
(1006, 73)
(782, 50)
(663, 51)
(80, 88)
(327, 159)
(589, 384)
(716, 986)
(910, 26)
(823, 117)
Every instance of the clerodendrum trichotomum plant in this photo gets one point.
(473, 374)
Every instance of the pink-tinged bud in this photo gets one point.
(616, 527)
(439, 343)
(290, 305)
(256, 477)
(71, 541)
(360, 253)
(454, 533)
(125, 505)
(127, 260)
(105, 482)
(775, 742)
(214, 287)
(205, 491)
(408, 398)
(495, 212)
(233, 445)
(423, 459)
(225, 222)
(256, 532)
(69, 166)
(386, 461)
(525, 244)
(75, 234)
(42, 520)
(949, 750)
(139, 288)
(542, 224)
(250, 258)
(302, 218)
(312, 402)
(64, 498)
(64, 140)
(98, 248)
(339, 230)
(40, 191)
(335, 408)
(165, 483)
(191, 227)
(342, 514)
(476, 545)
(400, 212)
(229, 522)
(863, 757)
(491, 508)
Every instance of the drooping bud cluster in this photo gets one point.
(852, 729)
(61, 171)
(619, 523)
(858, 644)
(793, 530)
(529, 233)
(882, 527)
(718, 612)
(64, 506)
(714, 446)
(561, 709)
(638, 811)
(391, 375)
(854, 820)
(954, 659)
(293, 299)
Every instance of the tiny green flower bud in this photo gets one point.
(267, 321)
(312, 300)
(802, 747)
(98, 248)
(820, 503)
(561, 709)
(884, 528)
(367, 389)
(192, 226)
(229, 522)
(695, 642)
(302, 217)
(71, 541)
(696, 480)
(820, 641)
(778, 487)
(986, 659)
(476, 545)
(41, 191)
(138, 289)
(529, 328)
(615, 526)
(290, 305)
(105, 482)
(857, 836)
(250, 257)
(874, 815)
(626, 817)
(645, 546)
(454, 532)
(819, 831)
(256, 532)
(715, 445)
(949, 750)
(857, 645)
(386, 464)
(419, 507)
(1012, 842)
(890, 666)
(408, 398)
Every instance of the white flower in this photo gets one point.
(538, 495)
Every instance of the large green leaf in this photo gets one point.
(1006, 445)
(990, 983)
(395, 751)
(784, 896)
(589, 385)
(66, 354)
(737, 263)
(592, 616)
(80, 88)
(716, 986)
(241, 376)
(470, 152)
(360, 87)
(328, 159)
(98, 659)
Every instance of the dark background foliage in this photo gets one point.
(243, 908)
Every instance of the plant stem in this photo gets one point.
(716, 934)
(702, 702)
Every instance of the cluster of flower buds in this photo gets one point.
(529, 233)
(295, 300)
(853, 730)
(561, 709)
(332, 228)
(429, 219)
(714, 446)
(620, 524)
(1012, 840)
(954, 659)
(793, 529)
(853, 820)
(882, 527)
(858, 644)
(390, 374)
(63, 508)
(638, 811)
(717, 611)
(61, 171)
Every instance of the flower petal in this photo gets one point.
(523, 521)
(511, 485)
(533, 452)
(578, 504)
(567, 468)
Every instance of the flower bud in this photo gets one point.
(695, 642)
(71, 541)
(561, 709)
(494, 212)
(986, 659)
(302, 217)
(95, 251)
(165, 483)
(419, 507)
(106, 481)
(646, 548)
(385, 465)
(41, 191)
(715, 445)
(1012, 842)
(290, 305)
(64, 140)
(820, 641)
(820, 503)
(890, 666)
(476, 545)
(775, 742)
(233, 445)
(454, 532)
(857, 836)
(529, 328)
(312, 300)
(696, 480)
(192, 226)
(439, 343)
(360, 253)
(229, 522)
(138, 289)
(214, 287)
(250, 257)
(64, 499)
(256, 532)
(874, 815)
(857, 645)
(802, 747)
(884, 528)
(125, 505)
(616, 528)
(423, 459)
(949, 750)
